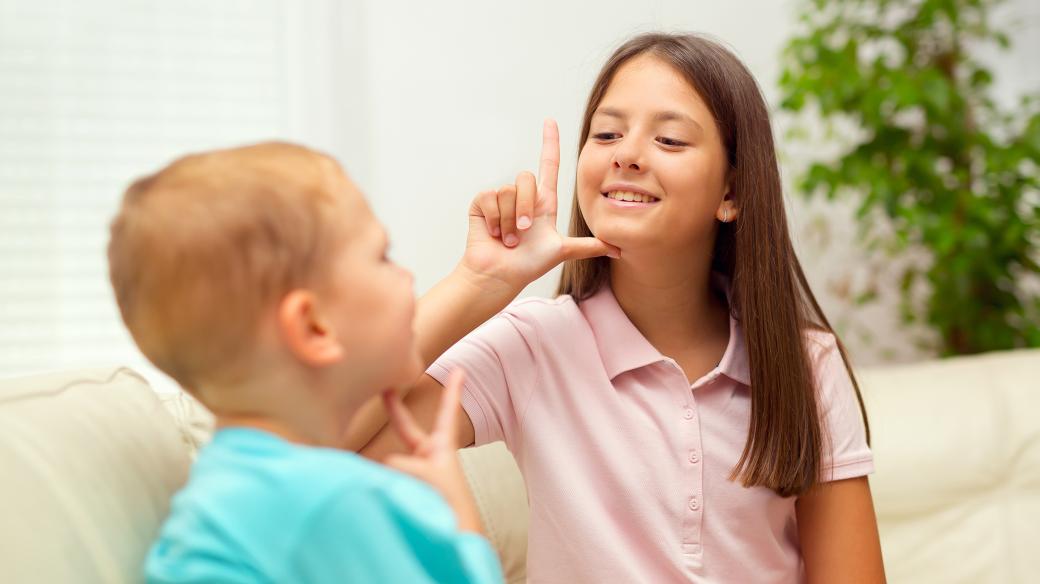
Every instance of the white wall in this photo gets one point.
(425, 103)
(457, 90)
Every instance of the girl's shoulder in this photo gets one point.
(546, 320)
(829, 367)
(820, 343)
(544, 311)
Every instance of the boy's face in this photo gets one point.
(370, 302)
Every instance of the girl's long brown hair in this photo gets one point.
(770, 295)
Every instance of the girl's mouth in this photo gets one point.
(630, 199)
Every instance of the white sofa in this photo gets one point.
(90, 459)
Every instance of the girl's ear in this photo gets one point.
(307, 334)
(728, 209)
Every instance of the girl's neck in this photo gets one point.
(670, 301)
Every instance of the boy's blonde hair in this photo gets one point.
(201, 249)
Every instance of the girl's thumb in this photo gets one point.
(580, 248)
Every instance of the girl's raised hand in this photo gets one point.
(512, 230)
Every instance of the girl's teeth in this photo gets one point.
(630, 197)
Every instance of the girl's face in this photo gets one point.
(652, 174)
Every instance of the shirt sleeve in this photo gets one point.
(374, 539)
(846, 453)
(501, 374)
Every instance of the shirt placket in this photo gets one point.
(692, 461)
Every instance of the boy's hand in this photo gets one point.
(434, 456)
(512, 231)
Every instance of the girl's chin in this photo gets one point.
(625, 238)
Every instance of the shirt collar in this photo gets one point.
(623, 348)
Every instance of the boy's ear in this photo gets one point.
(307, 333)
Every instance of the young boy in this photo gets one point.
(257, 278)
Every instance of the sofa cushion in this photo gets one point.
(498, 489)
(957, 451)
(90, 461)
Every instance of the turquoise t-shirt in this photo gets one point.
(260, 509)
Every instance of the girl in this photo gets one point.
(683, 410)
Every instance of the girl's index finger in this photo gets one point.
(549, 166)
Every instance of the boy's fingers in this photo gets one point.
(402, 421)
(447, 414)
(507, 211)
(579, 248)
(549, 166)
(406, 464)
(526, 195)
(486, 204)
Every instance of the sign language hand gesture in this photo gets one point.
(433, 457)
(512, 230)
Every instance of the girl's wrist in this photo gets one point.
(486, 286)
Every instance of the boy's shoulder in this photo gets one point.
(247, 481)
(258, 501)
(267, 465)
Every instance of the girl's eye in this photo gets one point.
(672, 142)
(606, 136)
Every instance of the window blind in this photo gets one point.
(93, 95)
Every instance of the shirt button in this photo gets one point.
(694, 504)
(688, 413)
(694, 457)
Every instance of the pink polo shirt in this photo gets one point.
(626, 462)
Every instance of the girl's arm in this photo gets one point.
(495, 267)
(838, 532)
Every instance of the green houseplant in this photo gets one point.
(933, 157)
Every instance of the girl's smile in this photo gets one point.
(627, 196)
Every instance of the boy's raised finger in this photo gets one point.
(402, 421)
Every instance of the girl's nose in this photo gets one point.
(627, 156)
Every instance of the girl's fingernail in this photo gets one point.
(496, 231)
(614, 254)
(523, 222)
(509, 239)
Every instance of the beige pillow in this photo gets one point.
(90, 461)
